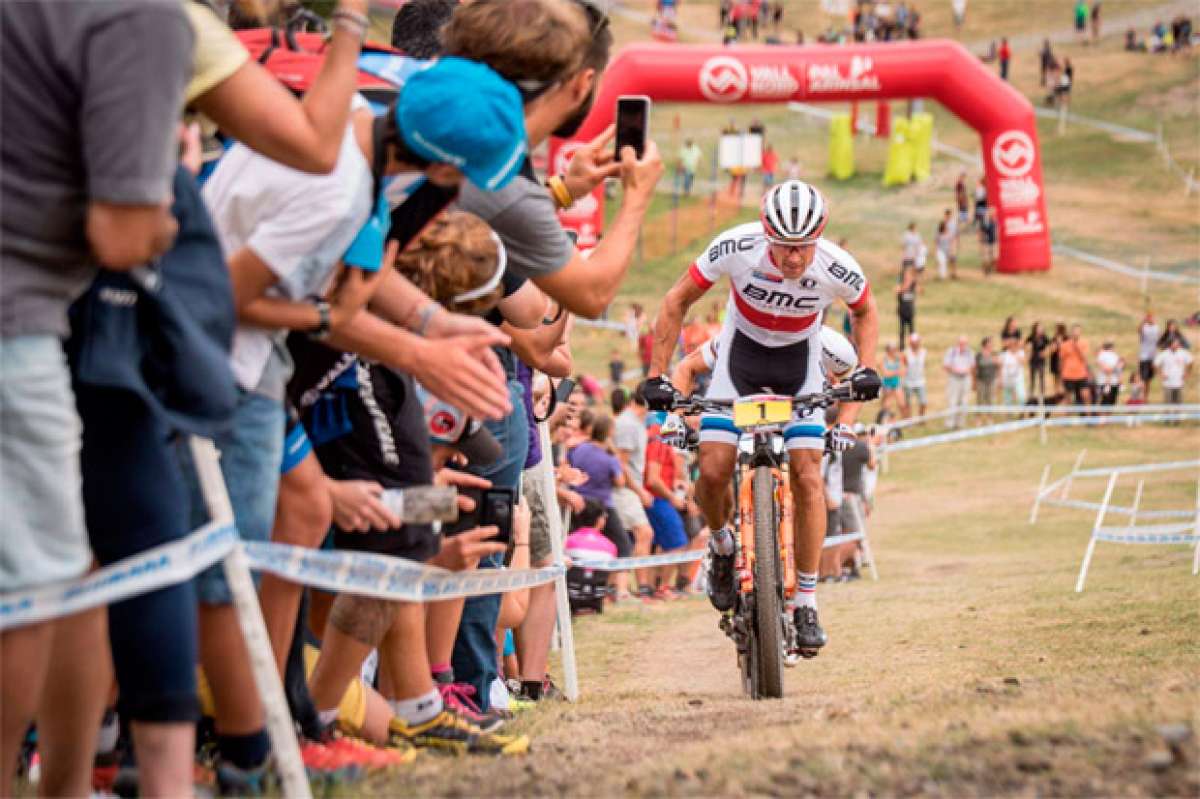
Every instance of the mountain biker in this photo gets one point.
(782, 276)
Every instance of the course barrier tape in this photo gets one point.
(1037, 411)
(1169, 466)
(1149, 530)
(641, 562)
(1152, 538)
(158, 567)
(386, 577)
(844, 538)
(1023, 424)
(1079, 504)
(350, 572)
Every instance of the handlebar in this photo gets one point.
(806, 402)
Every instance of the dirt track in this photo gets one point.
(969, 669)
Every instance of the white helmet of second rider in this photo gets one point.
(838, 356)
(793, 212)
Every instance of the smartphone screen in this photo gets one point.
(633, 120)
(496, 508)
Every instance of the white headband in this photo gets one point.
(493, 281)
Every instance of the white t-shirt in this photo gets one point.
(763, 305)
(1172, 365)
(1147, 341)
(629, 435)
(298, 223)
(912, 245)
(914, 367)
(959, 362)
(1012, 368)
(1109, 371)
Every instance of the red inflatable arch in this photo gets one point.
(939, 69)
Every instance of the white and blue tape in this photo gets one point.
(149, 571)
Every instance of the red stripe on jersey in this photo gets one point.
(862, 298)
(699, 277)
(767, 321)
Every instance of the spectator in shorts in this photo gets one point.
(915, 397)
(1073, 359)
(1148, 333)
(664, 511)
(632, 499)
(90, 147)
(1174, 364)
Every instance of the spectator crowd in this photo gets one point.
(355, 287)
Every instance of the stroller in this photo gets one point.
(587, 588)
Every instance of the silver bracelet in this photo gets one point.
(425, 316)
(351, 22)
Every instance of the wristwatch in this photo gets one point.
(324, 314)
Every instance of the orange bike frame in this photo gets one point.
(745, 499)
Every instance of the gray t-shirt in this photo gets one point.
(629, 435)
(523, 215)
(854, 460)
(90, 96)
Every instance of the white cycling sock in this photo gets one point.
(418, 710)
(806, 591)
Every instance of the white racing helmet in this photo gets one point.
(838, 356)
(793, 212)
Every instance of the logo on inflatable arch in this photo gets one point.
(860, 77)
(1028, 225)
(1013, 153)
(723, 79)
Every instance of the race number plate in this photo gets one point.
(766, 409)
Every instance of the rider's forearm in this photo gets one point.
(866, 333)
(667, 325)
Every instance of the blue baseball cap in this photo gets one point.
(463, 113)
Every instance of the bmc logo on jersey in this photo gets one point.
(778, 299)
(730, 246)
(847, 276)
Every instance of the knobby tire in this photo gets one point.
(768, 636)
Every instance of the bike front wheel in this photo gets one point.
(768, 596)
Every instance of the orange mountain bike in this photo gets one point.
(759, 626)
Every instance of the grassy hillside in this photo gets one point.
(1106, 196)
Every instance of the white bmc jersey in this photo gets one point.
(771, 338)
(765, 306)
